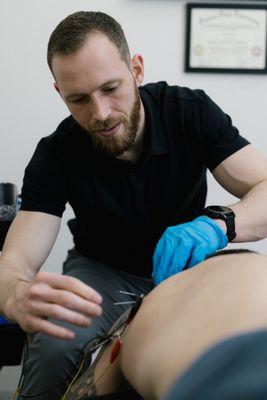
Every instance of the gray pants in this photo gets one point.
(49, 362)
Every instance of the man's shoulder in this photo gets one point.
(162, 91)
(68, 138)
(67, 142)
(65, 132)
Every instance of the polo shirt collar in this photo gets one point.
(154, 131)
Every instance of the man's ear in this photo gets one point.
(56, 87)
(138, 69)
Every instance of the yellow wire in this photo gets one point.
(73, 380)
(94, 383)
(15, 394)
(75, 377)
(68, 388)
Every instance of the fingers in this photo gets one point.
(181, 255)
(198, 255)
(42, 292)
(157, 254)
(59, 297)
(49, 328)
(70, 284)
(58, 312)
(160, 260)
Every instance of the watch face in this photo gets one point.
(220, 209)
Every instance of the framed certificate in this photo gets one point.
(226, 38)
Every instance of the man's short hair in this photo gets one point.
(72, 32)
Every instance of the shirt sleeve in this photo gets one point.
(220, 139)
(44, 183)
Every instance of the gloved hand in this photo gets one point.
(185, 245)
(4, 321)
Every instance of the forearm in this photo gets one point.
(251, 214)
(25, 250)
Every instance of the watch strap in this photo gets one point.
(226, 214)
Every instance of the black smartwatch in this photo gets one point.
(227, 215)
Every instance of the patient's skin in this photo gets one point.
(189, 312)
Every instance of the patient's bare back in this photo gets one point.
(188, 313)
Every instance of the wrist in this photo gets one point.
(222, 224)
(14, 297)
(214, 233)
(226, 215)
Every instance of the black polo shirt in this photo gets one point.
(123, 208)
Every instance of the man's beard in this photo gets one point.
(120, 142)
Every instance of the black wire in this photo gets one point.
(104, 339)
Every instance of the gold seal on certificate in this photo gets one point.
(226, 37)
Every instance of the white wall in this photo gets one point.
(30, 108)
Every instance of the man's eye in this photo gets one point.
(78, 101)
(110, 89)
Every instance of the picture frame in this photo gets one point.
(227, 38)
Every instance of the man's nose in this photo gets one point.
(100, 109)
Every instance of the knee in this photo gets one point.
(49, 352)
(54, 353)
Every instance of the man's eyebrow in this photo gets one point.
(110, 81)
(72, 96)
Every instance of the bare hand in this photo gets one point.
(60, 297)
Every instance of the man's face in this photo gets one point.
(101, 93)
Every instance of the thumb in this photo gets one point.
(198, 255)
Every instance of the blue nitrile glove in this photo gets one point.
(4, 321)
(185, 245)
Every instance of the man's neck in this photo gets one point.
(135, 152)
